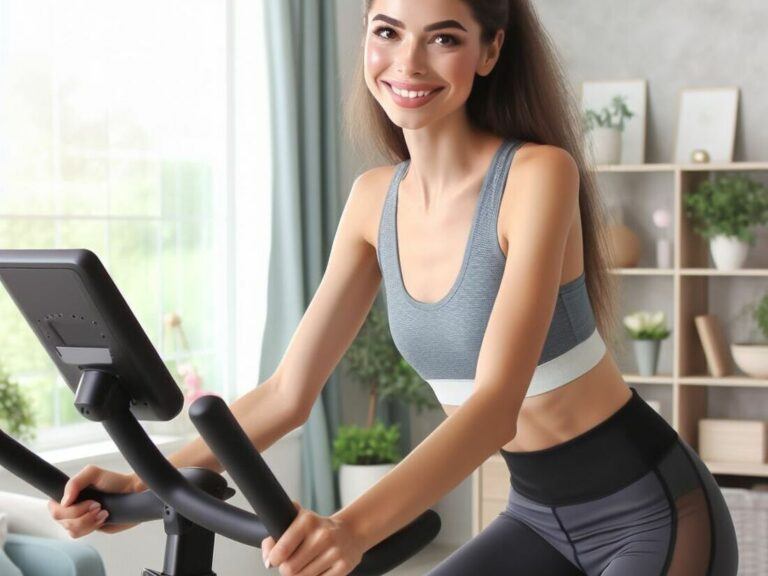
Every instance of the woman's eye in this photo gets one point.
(378, 31)
(450, 40)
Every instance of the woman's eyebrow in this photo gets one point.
(429, 28)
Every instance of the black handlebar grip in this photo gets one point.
(122, 508)
(237, 454)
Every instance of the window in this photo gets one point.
(126, 128)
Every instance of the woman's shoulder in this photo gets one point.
(370, 191)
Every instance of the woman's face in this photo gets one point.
(421, 58)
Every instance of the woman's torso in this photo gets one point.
(544, 419)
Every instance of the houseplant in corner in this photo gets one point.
(363, 455)
(647, 330)
(16, 416)
(725, 210)
(752, 356)
(605, 127)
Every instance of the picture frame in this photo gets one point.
(596, 94)
(706, 120)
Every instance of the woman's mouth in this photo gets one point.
(411, 98)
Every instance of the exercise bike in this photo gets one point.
(118, 378)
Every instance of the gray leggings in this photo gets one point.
(627, 498)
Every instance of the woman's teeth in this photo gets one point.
(411, 93)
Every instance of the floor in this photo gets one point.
(424, 561)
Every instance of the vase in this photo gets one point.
(606, 145)
(646, 355)
(728, 252)
(354, 479)
(663, 253)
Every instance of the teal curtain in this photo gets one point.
(305, 135)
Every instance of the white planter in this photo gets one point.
(356, 479)
(751, 358)
(728, 252)
(606, 145)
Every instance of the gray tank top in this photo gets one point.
(441, 340)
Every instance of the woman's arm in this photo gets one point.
(544, 203)
(327, 328)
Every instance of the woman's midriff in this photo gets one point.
(548, 419)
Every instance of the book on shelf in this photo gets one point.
(713, 342)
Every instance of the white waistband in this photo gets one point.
(547, 376)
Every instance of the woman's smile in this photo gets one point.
(411, 98)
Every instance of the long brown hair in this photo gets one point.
(526, 97)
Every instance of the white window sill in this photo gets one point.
(94, 452)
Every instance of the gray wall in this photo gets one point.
(687, 43)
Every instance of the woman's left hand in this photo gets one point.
(314, 545)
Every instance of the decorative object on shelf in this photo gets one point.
(699, 156)
(662, 220)
(191, 381)
(16, 415)
(722, 440)
(363, 456)
(725, 209)
(605, 131)
(598, 94)
(714, 344)
(706, 120)
(752, 357)
(647, 330)
(626, 248)
(374, 361)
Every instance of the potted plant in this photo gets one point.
(16, 416)
(752, 357)
(725, 210)
(647, 330)
(605, 127)
(364, 454)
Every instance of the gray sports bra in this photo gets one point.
(441, 340)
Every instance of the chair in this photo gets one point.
(39, 546)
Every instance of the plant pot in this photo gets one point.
(728, 252)
(751, 358)
(355, 479)
(606, 145)
(646, 355)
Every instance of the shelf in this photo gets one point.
(664, 379)
(643, 271)
(736, 381)
(749, 272)
(738, 468)
(662, 167)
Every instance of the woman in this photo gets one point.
(488, 236)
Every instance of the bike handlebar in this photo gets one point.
(193, 493)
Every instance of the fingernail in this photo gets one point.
(102, 515)
(266, 563)
(94, 506)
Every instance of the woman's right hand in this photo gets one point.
(82, 518)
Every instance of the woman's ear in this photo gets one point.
(491, 54)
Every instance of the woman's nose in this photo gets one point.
(410, 58)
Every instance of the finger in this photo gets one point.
(59, 512)
(82, 479)
(313, 546)
(290, 540)
(322, 564)
(85, 524)
(266, 545)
